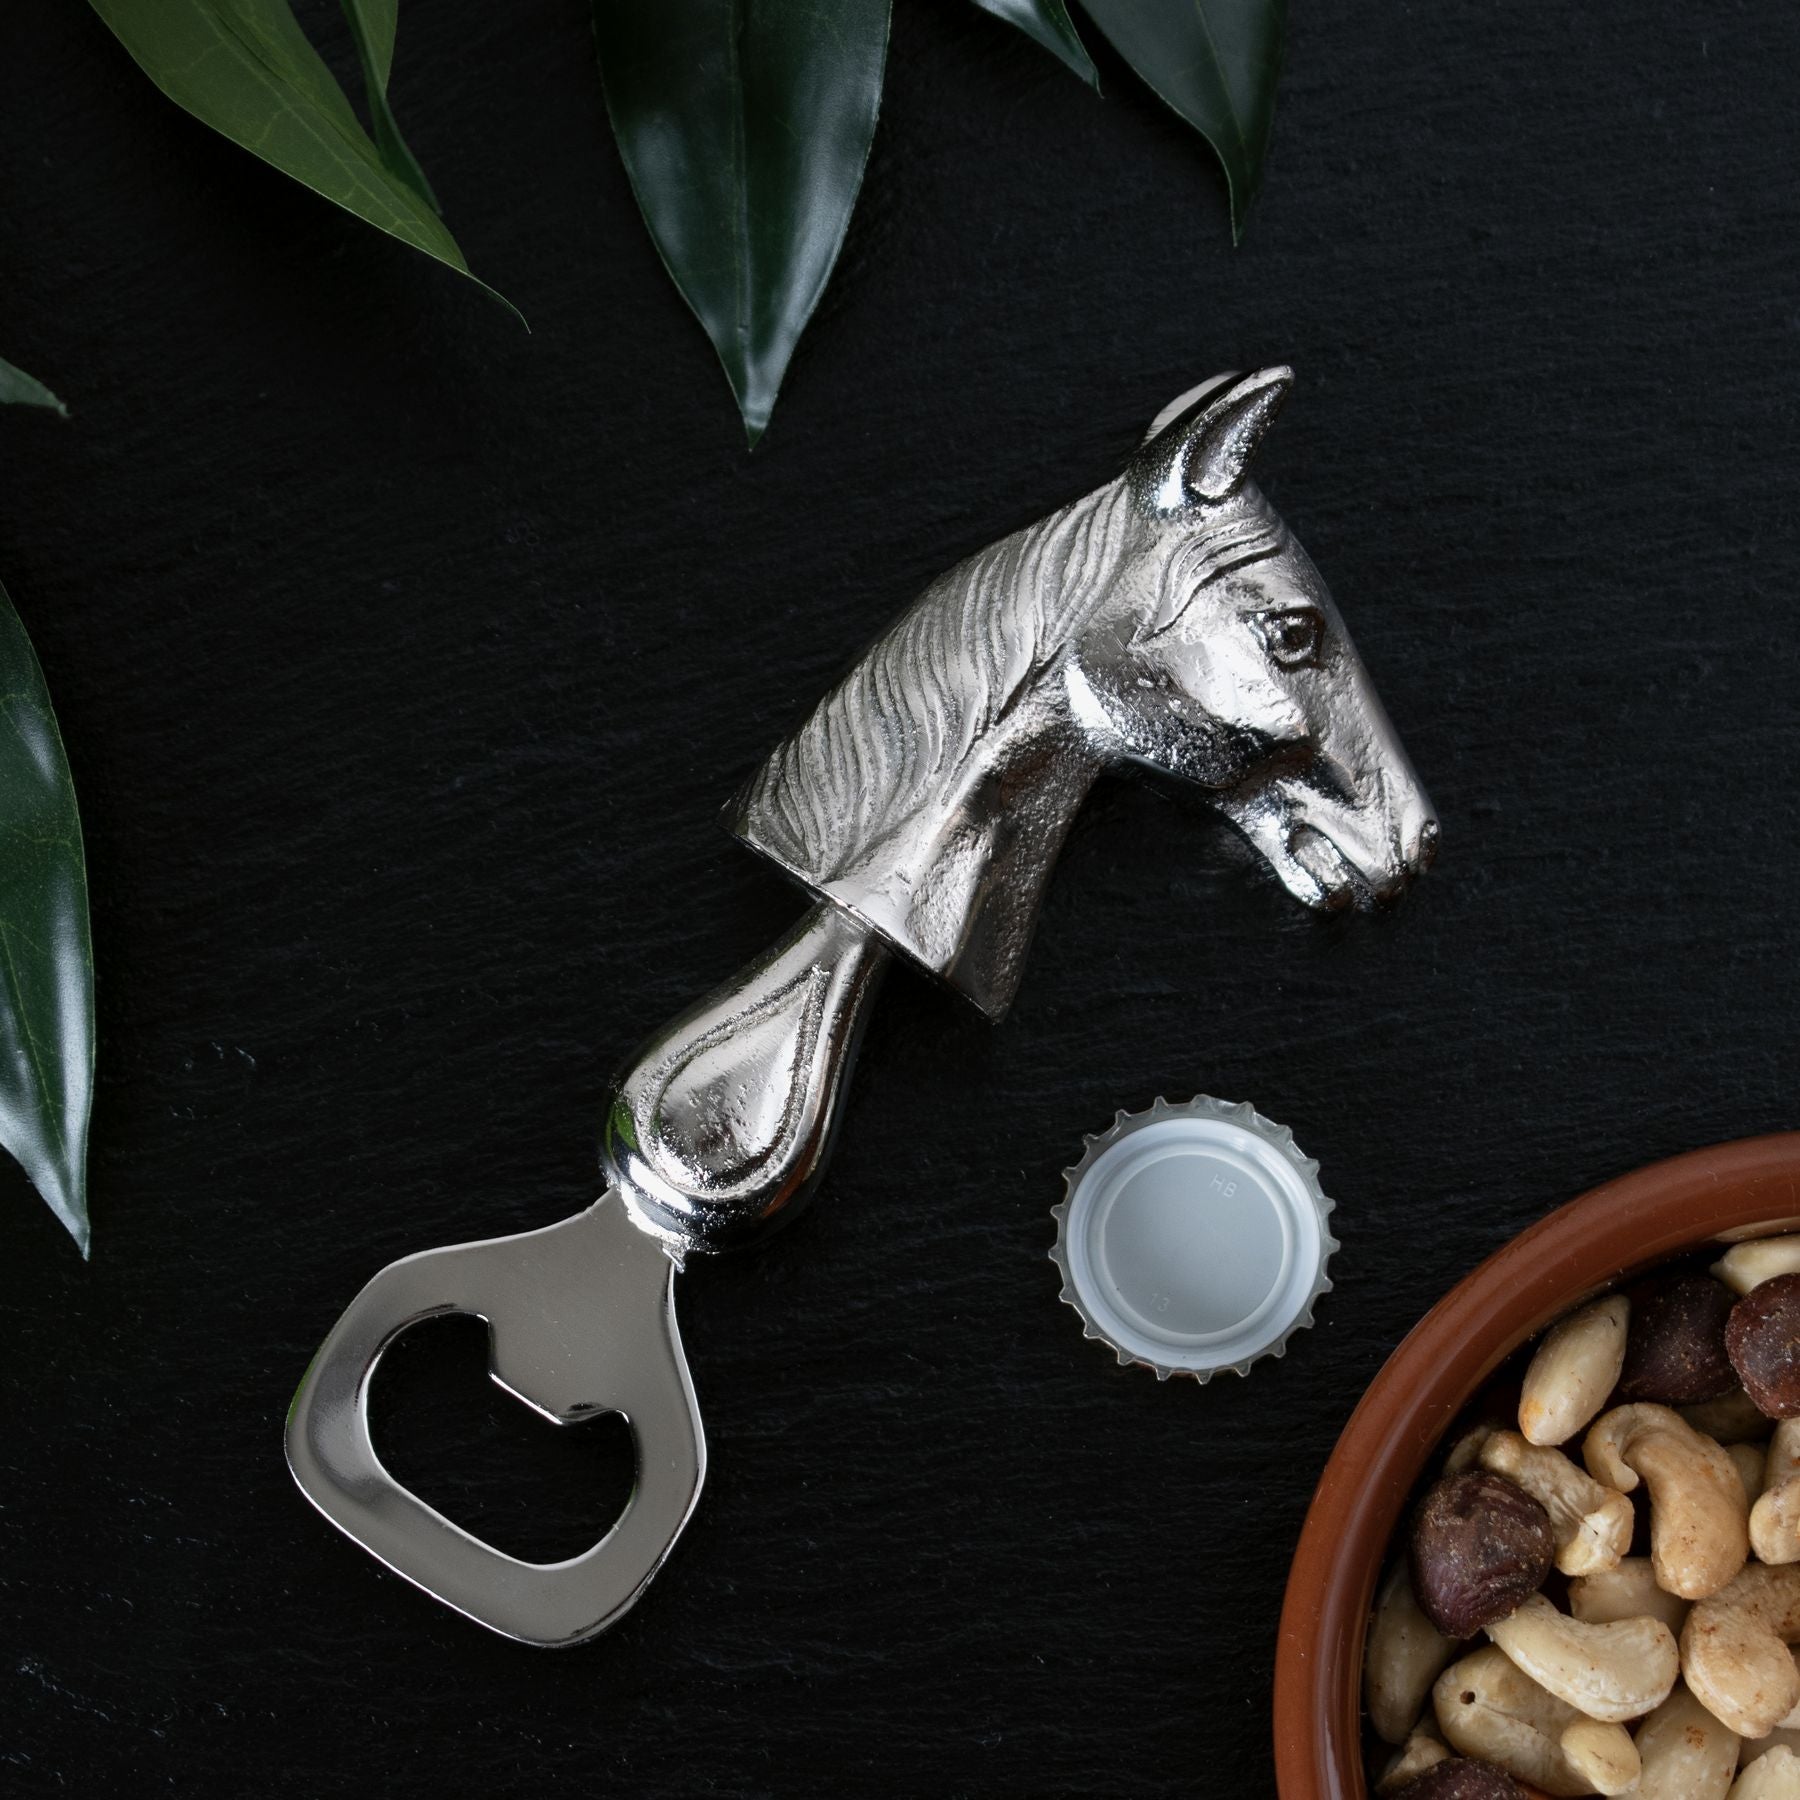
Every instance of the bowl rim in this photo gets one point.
(1606, 1235)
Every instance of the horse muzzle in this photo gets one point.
(1331, 853)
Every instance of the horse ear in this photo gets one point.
(1205, 455)
(1182, 402)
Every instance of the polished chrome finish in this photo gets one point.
(581, 1320)
(1167, 619)
(1232, 1241)
(723, 1123)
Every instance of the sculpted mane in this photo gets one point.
(905, 719)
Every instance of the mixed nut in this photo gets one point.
(1638, 1597)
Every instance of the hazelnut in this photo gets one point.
(1763, 1338)
(1676, 1351)
(1480, 1547)
(1457, 1778)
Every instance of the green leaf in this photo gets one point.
(26, 390)
(373, 24)
(245, 68)
(1215, 62)
(1047, 22)
(745, 127)
(46, 960)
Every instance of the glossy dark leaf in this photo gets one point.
(745, 127)
(245, 68)
(46, 963)
(1216, 63)
(1047, 22)
(373, 24)
(26, 390)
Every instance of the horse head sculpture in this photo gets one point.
(1167, 619)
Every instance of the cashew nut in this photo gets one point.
(1466, 1451)
(1593, 1524)
(1630, 1591)
(1775, 1518)
(1608, 1672)
(1745, 1266)
(1489, 1708)
(1603, 1755)
(1792, 1721)
(1775, 1776)
(1699, 1518)
(1573, 1370)
(1405, 1652)
(1687, 1754)
(1783, 1454)
(1423, 1750)
(1733, 1418)
(1734, 1649)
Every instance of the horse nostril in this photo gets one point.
(1428, 843)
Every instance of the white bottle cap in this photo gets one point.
(1193, 1238)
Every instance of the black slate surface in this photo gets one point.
(404, 659)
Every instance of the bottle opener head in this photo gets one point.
(581, 1321)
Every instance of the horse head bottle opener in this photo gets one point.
(1165, 619)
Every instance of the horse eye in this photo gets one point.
(1294, 638)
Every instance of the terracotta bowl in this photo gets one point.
(1747, 1189)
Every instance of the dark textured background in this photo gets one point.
(405, 658)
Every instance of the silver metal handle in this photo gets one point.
(725, 1120)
